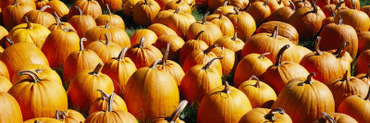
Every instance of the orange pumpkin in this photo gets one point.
(171, 66)
(335, 118)
(344, 58)
(144, 12)
(43, 120)
(11, 110)
(366, 9)
(82, 23)
(226, 9)
(229, 61)
(259, 11)
(5, 84)
(211, 31)
(105, 49)
(178, 4)
(115, 20)
(329, 19)
(240, 4)
(176, 43)
(365, 77)
(3, 34)
(58, 7)
(222, 22)
(161, 30)
(89, 7)
(232, 43)
(359, 20)
(59, 24)
(115, 34)
(362, 62)
(12, 14)
(282, 14)
(263, 115)
(149, 35)
(69, 116)
(143, 55)
(245, 23)
(102, 102)
(162, 3)
(114, 5)
(5, 3)
(40, 70)
(356, 107)
(128, 7)
(363, 41)
(39, 17)
(285, 30)
(175, 115)
(190, 46)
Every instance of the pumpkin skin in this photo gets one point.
(252, 64)
(259, 11)
(178, 4)
(28, 92)
(364, 77)
(362, 62)
(30, 33)
(40, 70)
(149, 35)
(143, 55)
(59, 24)
(89, 7)
(363, 41)
(5, 3)
(245, 23)
(222, 22)
(5, 84)
(82, 90)
(232, 43)
(329, 19)
(176, 20)
(240, 4)
(265, 115)
(59, 44)
(229, 61)
(69, 116)
(190, 46)
(115, 20)
(115, 34)
(43, 120)
(162, 3)
(344, 58)
(214, 4)
(354, 106)
(199, 81)
(279, 74)
(335, 117)
(159, 86)
(58, 7)
(82, 23)
(225, 10)
(171, 67)
(3, 34)
(282, 14)
(286, 30)
(211, 31)
(202, 57)
(366, 9)
(4, 70)
(176, 43)
(175, 115)
(231, 102)
(12, 111)
(39, 17)
(291, 99)
(12, 14)
(21, 54)
(101, 103)
(105, 49)
(144, 12)
(359, 20)
(161, 30)
(128, 7)
(119, 69)
(114, 5)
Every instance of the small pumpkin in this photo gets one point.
(354, 107)
(39, 17)
(259, 11)
(161, 30)
(81, 22)
(69, 116)
(114, 5)
(88, 7)
(190, 46)
(362, 62)
(171, 67)
(114, 20)
(58, 7)
(102, 102)
(282, 14)
(359, 20)
(286, 30)
(176, 43)
(222, 22)
(240, 4)
(12, 14)
(149, 35)
(211, 31)
(12, 111)
(178, 4)
(344, 58)
(4, 70)
(245, 23)
(276, 115)
(105, 49)
(143, 55)
(329, 19)
(225, 10)
(59, 24)
(144, 12)
(231, 42)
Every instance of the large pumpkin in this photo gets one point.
(105, 49)
(144, 12)
(12, 14)
(102, 102)
(362, 62)
(286, 30)
(222, 22)
(211, 31)
(143, 55)
(10, 107)
(171, 67)
(82, 23)
(115, 34)
(263, 115)
(115, 20)
(89, 7)
(39, 17)
(245, 23)
(356, 107)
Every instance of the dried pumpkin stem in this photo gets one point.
(236, 10)
(210, 62)
(57, 115)
(198, 35)
(15, 2)
(340, 20)
(108, 9)
(353, 5)
(82, 44)
(44, 8)
(32, 74)
(106, 24)
(235, 36)
(328, 118)
(225, 3)
(345, 76)
(104, 96)
(142, 42)
(97, 69)
(317, 45)
(344, 50)
(36, 121)
(204, 20)
(107, 42)
(165, 56)
(146, 2)
(79, 10)
(275, 32)
(210, 48)
(10, 41)
(110, 102)
(178, 111)
(154, 66)
(177, 11)
(368, 95)
(291, 3)
(314, 7)
(227, 88)
(263, 55)
(28, 22)
(178, 1)
(271, 115)
(122, 54)
(264, 4)
(258, 85)
(339, 4)
(332, 12)
(57, 19)
(280, 55)
(309, 78)
(220, 15)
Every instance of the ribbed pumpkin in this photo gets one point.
(69, 116)
(12, 14)
(21, 54)
(178, 4)
(363, 41)
(77, 61)
(4, 70)
(82, 90)
(359, 20)
(162, 3)
(128, 7)
(240, 4)
(211, 31)
(39, 96)
(362, 62)
(111, 115)
(231, 103)
(161, 30)
(40, 70)
(59, 24)
(244, 22)
(5, 3)
(151, 93)
(282, 14)
(39, 17)
(325, 64)
(119, 69)
(171, 67)
(105, 49)
(114, 20)
(190, 46)
(43, 120)
(175, 117)
(229, 61)
(344, 58)
(144, 12)
(102, 102)
(365, 77)
(30, 33)
(115, 34)
(5, 84)
(222, 22)
(356, 107)
(285, 30)
(335, 118)
(10, 107)
(82, 23)
(58, 7)
(114, 5)
(59, 44)
(143, 55)
(225, 10)
(353, 4)
(279, 74)
(251, 64)
(88, 7)
(259, 11)
(176, 20)
(307, 96)
(176, 43)
(199, 81)
(259, 93)
(302, 51)
(202, 57)
(149, 35)
(231, 42)
(264, 115)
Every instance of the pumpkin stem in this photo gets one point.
(198, 35)
(263, 55)
(57, 115)
(275, 32)
(317, 46)
(344, 50)
(345, 76)
(205, 17)
(309, 78)
(9, 40)
(178, 1)
(314, 6)
(339, 4)
(235, 36)
(227, 88)
(280, 55)
(210, 48)
(368, 95)
(258, 85)
(146, 2)
(154, 66)
(291, 3)
(28, 23)
(108, 9)
(264, 4)
(340, 20)
(107, 24)
(220, 16)
(210, 62)
(236, 10)
(68, 29)
(104, 96)
(57, 18)
(82, 44)
(36, 121)
(353, 5)
(106, 39)
(328, 118)
(79, 10)
(122, 54)
(110, 102)
(177, 11)
(178, 111)
(97, 69)
(32, 74)
(225, 3)
(15, 2)
(44, 8)
(271, 115)
(142, 41)
(332, 12)
(165, 57)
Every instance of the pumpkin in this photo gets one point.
(30, 33)
(279, 74)
(363, 61)
(161, 30)
(82, 23)
(365, 77)
(82, 90)
(128, 7)
(77, 61)
(175, 115)
(111, 115)
(353, 4)
(4, 70)
(354, 106)
(115, 20)
(363, 41)
(262, 115)
(143, 55)
(178, 4)
(114, 5)
(231, 42)
(229, 61)
(303, 51)
(345, 59)
(5, 3)
(29, 91)
(176, 43)
(105, 49)
(69, 116)
(231, 105)
(3, 34)
(240, 4)
(39, 17)
(59, 44)
(211, 31)
(251, 64)
(222, 22)
(40, 70)
(171, 67)
(101, 103)
(40, 3)
(245, 23)
(12, 111)
(201, 3)
(59, 24)
(225, 10)
(58, 7)
(366, 9)
(359, 20)
(286, 30)
(191, 3)
(43, 120)
(259, 11)
(151, 93)
(21, 54)
(329, 19)
(88, 7)
(307, 96)
(214, 4)
(335, 118)
(115, 34)
(149, 35)
(12, 14)
(176, 20)
(144, 12)
(259, 93)
(5, 84)
(325, 64)
(282, 14)
(190, 46)
(162, 3)
(273, 4)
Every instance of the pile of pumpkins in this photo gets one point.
(112, 77)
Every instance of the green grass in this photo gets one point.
(364, 2)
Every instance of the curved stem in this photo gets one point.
(106, 39)
(178, 111)
(257, 85)
(353, 5)
(178, 1)
(44, 8)
(340, 20)
(15, 2)
(108, 9)
(10, 41)
(122, 54)
(291, 3)
(204, 20)
(317, 45)
(271, 115)
(339, 4)
(332, 12)
(110, 102)
(142, 42)
(227, 88)
(165, 56)
(198, 35)
(328, 118)
(368, 95)
(82, 44)
(275, 32)
(225, 3)
(236, 10)
(107, 24)
(263, 55)
(264, 4)
(210, 62)
(235, 36)
(154, 66)
(314, 7)
(57, 18)
(344, 50)
(28, 22)
(32, 74)
(279, 56)
(79, 10)
(104, 96)
(97, 69)
(345, 76)
(309, 78)
(177, 11)
(36, 121)
(206, 51)
(146, 2)
(57, 115)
